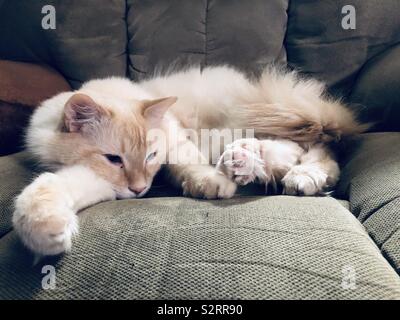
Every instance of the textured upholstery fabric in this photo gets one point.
(318, 45)
(15, 173)
(165, 35)
(178, 248)
(89, 40)
(371, 181)
(377, 91)
(14, 118)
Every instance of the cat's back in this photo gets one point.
(197, 86)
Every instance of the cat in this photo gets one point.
(95, 143)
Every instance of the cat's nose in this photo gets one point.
(137, 189)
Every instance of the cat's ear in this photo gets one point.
(80, 111)
(153, 110)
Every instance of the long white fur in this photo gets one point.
(45, 211)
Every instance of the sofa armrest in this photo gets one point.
(15, 173)
(371, 181)
(23, 86)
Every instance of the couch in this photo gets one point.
(165, 246)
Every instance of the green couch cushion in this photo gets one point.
(178, 248)
(16, 171)
(371, 181)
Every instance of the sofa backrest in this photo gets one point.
(318, 45)
(89, 40)
(138, 38)
(246, 34)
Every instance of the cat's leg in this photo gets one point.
(45, 212)
(315, 174)
(197, 178)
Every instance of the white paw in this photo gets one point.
(209, 185)
(43, 217)
(305, 180)
(242, 164)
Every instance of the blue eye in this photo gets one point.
(151, 156)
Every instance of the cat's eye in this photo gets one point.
(151, 156)
(114, 159)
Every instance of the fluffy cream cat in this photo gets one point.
(97, 142)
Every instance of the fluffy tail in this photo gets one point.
(299, 110)
(302, 124)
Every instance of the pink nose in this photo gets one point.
(137, 190)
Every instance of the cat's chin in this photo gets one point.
(121, 195)
(127, 194)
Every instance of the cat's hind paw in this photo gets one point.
(241, 165)
(306, 180)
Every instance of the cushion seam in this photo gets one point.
(380, 206)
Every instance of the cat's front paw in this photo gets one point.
(307, 180)
(43, 217)
(209, 184)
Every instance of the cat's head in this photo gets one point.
(113, 141)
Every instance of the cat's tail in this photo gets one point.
(302, 111)
(302, 124)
